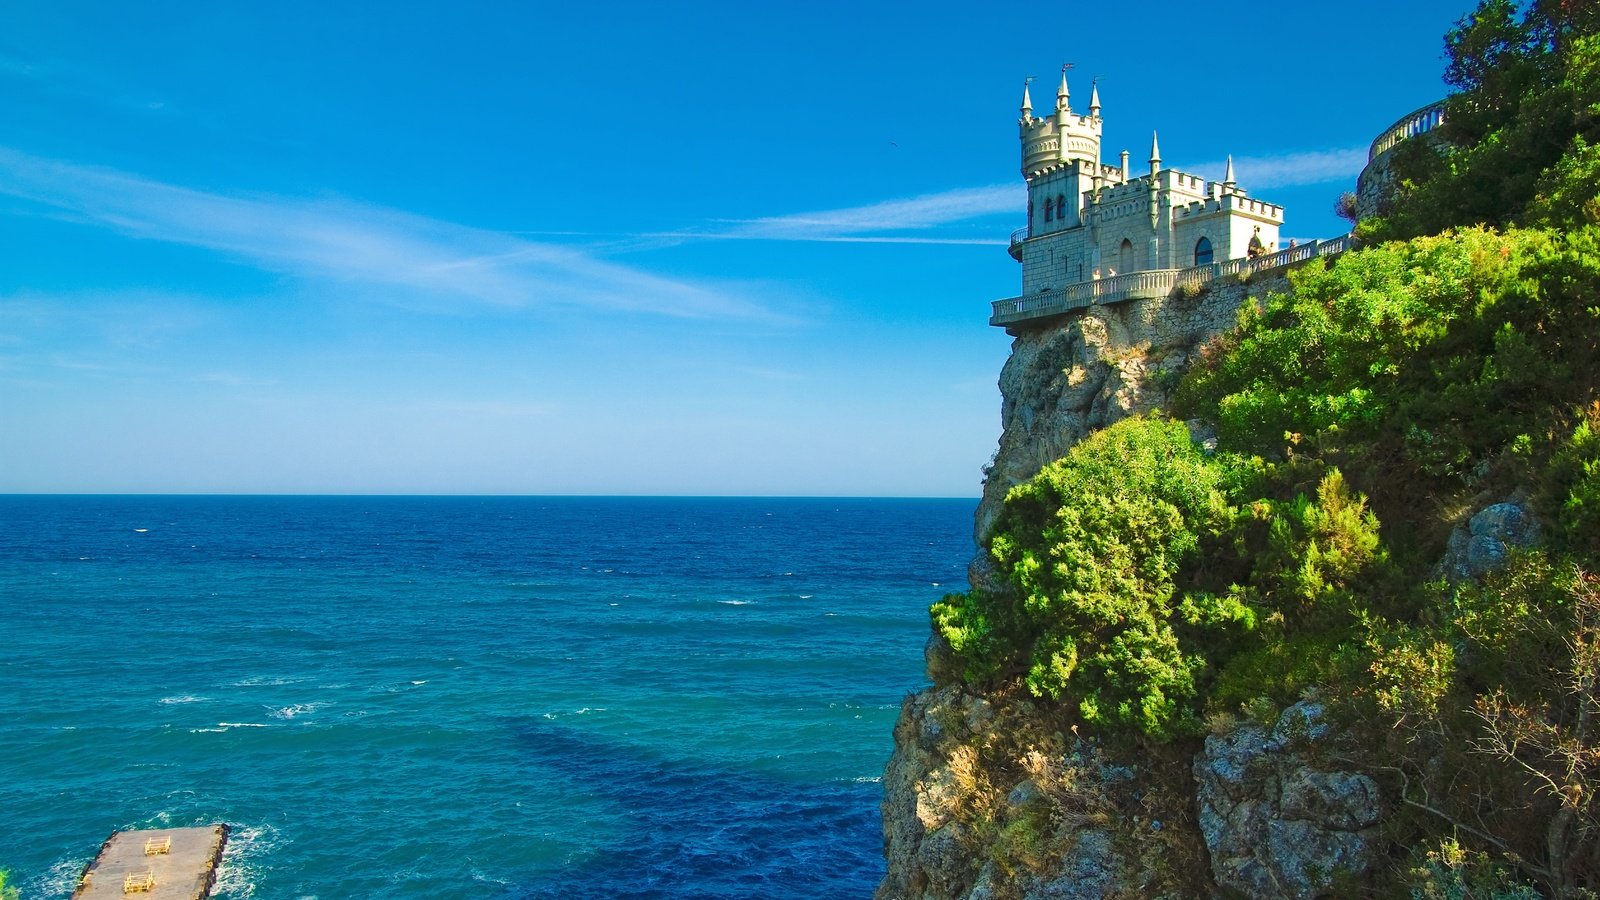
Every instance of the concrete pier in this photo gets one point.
(157, 863)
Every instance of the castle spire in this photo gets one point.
(1227, 176)
(1094, 98)
(1027, 102)
(1155, 154)
(1062, 95)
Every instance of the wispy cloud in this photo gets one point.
(868, 222)
(1290, 169)
(361, 244)
(914, 220)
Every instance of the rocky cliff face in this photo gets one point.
(991, 796)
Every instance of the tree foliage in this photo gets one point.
(1116, 558)
(1516, 133)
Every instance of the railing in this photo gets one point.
(1017, 237)
(1420, 122)
(1151, 284)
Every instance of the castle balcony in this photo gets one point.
(1017, 237)
(1152, 284)
(1148, 285)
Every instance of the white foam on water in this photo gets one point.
(140, 530)
(244, 725)
(737, 602)
(59, 880)
(183, 698)
(265, 681)
(806, 596)
(242, 859)
(424, 681)
(295, 709)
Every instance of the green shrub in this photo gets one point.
(1449, 871)
(1090, 548)
(1573, 491)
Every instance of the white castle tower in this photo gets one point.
(1088, 220)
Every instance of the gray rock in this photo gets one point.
(1089, 871)
(944, 862)
(1204, 436)
(1280, 824)
(1481, 545)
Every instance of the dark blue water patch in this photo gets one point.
(707, 833)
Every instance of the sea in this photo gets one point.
(466, 697)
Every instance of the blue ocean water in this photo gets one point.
(466, 697)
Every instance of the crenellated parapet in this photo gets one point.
(1051, 142)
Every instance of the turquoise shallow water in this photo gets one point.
(466, 697)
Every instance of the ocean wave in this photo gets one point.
(244, 725)
(577, 712)
(737, 602)
(183, 698)
(243, 857)
(265, 681)
(60, 880)
(296, 709)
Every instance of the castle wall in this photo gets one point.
(1054, 261)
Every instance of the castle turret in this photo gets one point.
(1155, 154)
(1227, 176)
(1094, 100)
(1048, 143)
(1027, 104)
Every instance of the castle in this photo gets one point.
(1088, 221)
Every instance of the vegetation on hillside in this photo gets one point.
(1453, 363)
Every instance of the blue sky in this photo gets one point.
(701, 248)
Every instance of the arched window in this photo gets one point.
(1125, 256)
(1048, 208)
(1202, 252)
(1061, 206)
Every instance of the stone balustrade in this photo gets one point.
(1419, 122)
(1150, 284)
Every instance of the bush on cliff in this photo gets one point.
(1416, 366)
(1091, 547)
(1121, 560)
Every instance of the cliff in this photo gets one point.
(993, 794)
